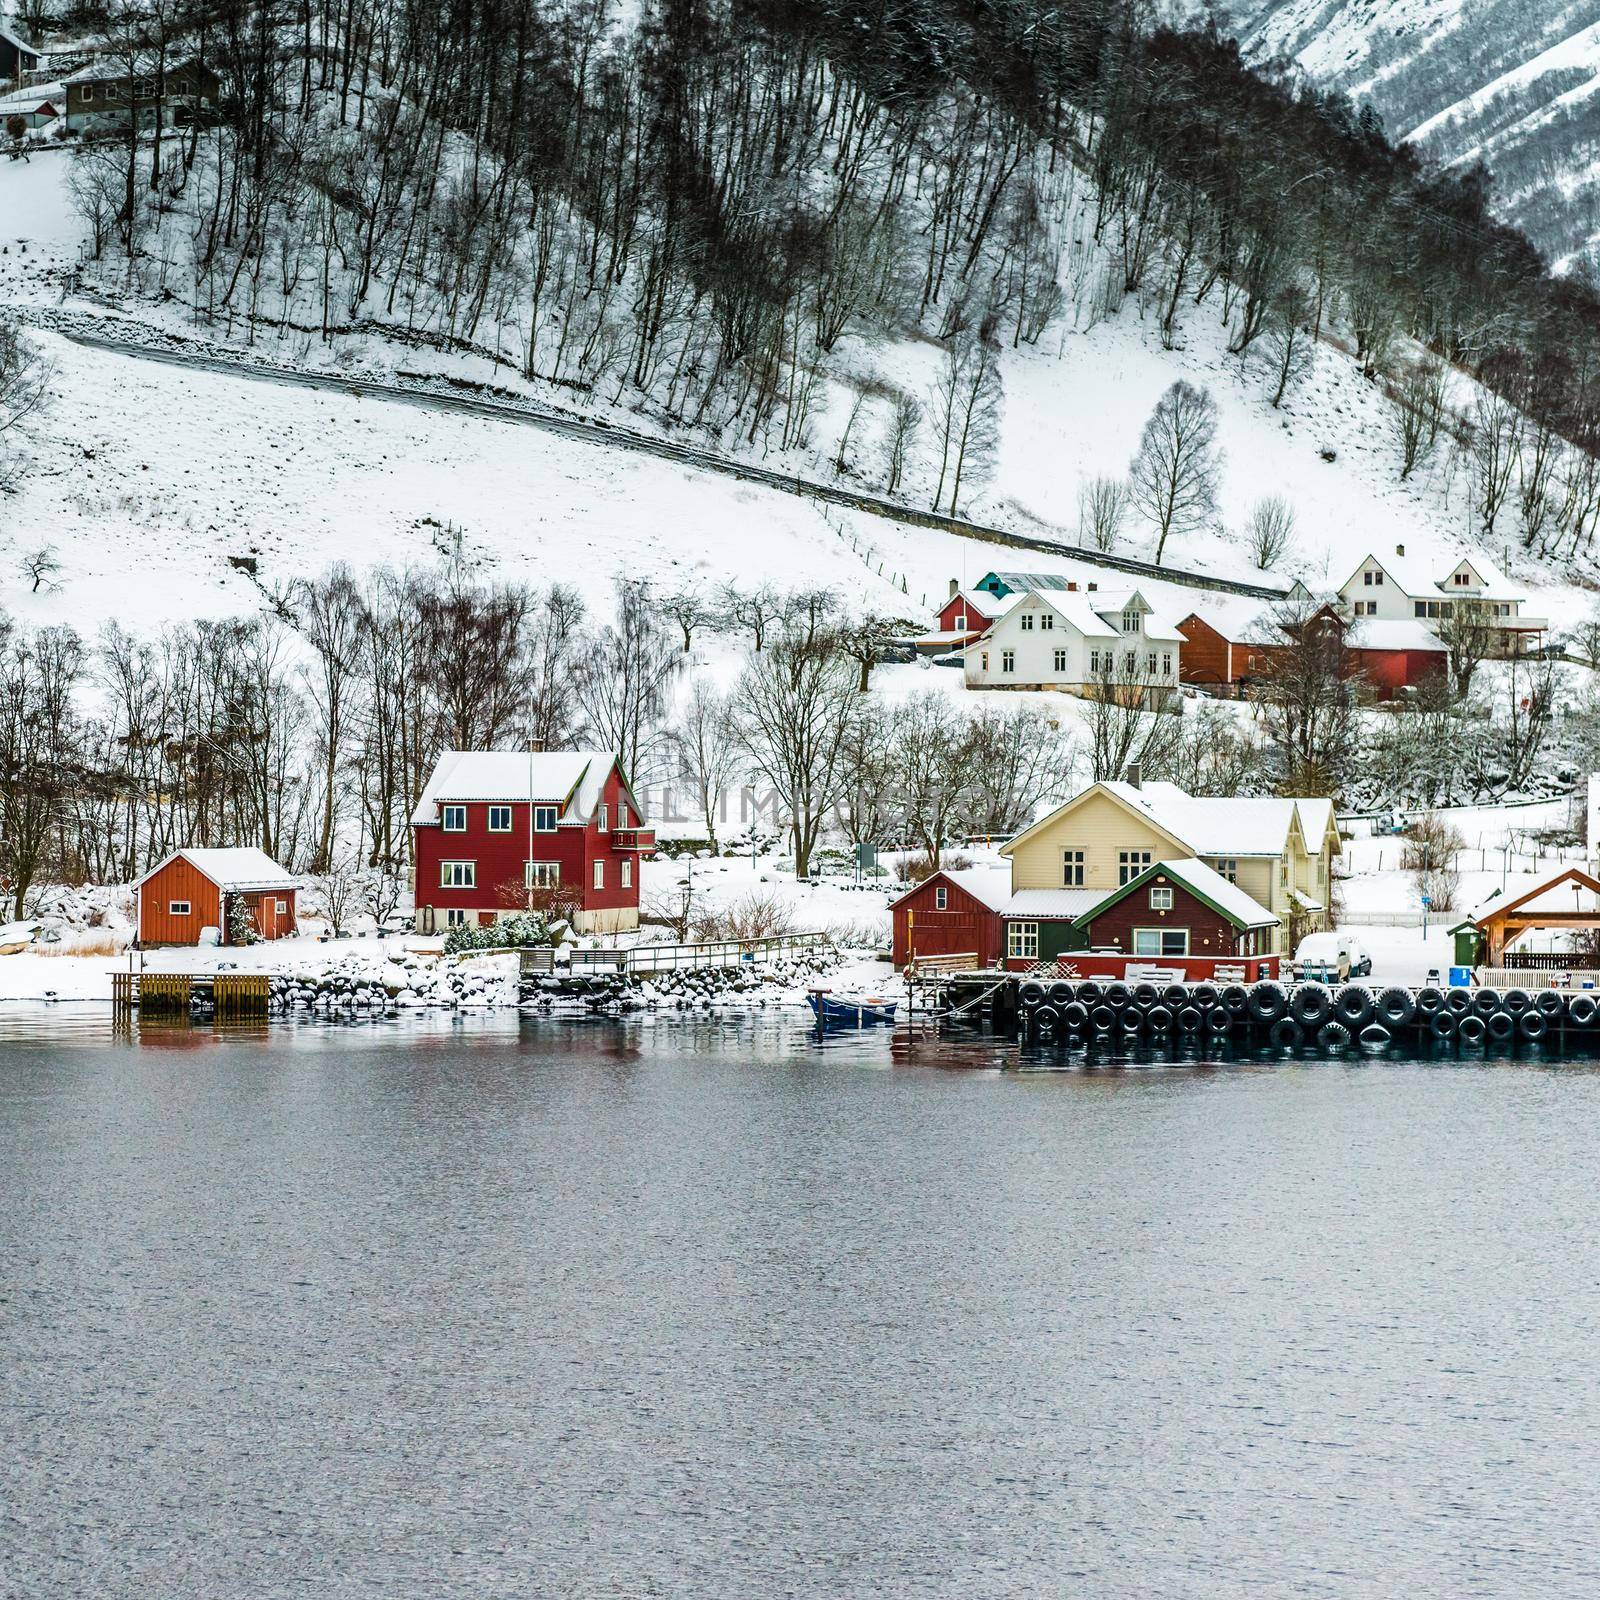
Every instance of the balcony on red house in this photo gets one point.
(633, 838)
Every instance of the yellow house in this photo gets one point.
(1280, 852)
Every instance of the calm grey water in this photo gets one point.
(545, 1309)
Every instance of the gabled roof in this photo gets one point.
(1420, 577)
(1501, 905)
(572, 779)
(17, 42)
(1027, 582)
(989, 885)
(1206, 884)
(983, 604)
(1404, 633)
(236, 867)
(1203, 825)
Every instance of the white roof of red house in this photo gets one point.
(989, 885)
(233, 867)
(572, 779)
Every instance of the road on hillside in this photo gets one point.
(590, 431)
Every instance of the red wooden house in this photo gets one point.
(496, 830)
(1226, 657)
(196, 889)
(952, 913)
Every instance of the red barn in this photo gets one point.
(1395, 655)
(952, 913)
(498, 829)
(195, 889)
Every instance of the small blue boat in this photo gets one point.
(845, 1012)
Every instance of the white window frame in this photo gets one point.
(500, 811)
(1008, 661)
(180, 908)
(541, 874)
(539, 815)
(960, 625)
(941, 898)
(1061, 661)
(1166, 663)
(1130, 621)
(458, 874)
(281, 908)
(599, 875)
(449, 811)
(1155, 941)
(1227, 867)
(1161, 898)
(1047, 622)
(602, 819)
(985, 660)
(1022, 941)
(88, 93)
(622, 815)
(626, 874)
(1073, 867)
(1027, 622)
(455, 917)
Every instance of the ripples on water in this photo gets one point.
(490, 1306)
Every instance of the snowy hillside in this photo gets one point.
(147, 478)
(1514, 83)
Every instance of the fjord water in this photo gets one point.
(686, 1309)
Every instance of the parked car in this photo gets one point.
(1318, 958)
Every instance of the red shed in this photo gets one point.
(196, 888)
(1393, 655)
(952, 913)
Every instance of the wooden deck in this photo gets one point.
(228, 994)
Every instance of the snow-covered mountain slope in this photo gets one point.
(1514, 83)
(146, 478)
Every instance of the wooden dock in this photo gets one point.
(171, 994)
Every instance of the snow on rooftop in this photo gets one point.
(234, 867)
(517, 775)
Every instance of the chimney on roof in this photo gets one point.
(955, 589)
(1135, 775)
(1093, 587)
(536, 747)
(1399, 549)
(1072, 587)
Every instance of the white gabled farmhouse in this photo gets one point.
(1055, 639)
(1401, 588)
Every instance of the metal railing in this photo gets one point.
(676, 957)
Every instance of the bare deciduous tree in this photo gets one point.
(1102, 505)
(1174, 475)
(1270, 531)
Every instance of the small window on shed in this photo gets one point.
(177, 908)
(1161, 899)
(941, 898)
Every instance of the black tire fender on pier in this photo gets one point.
(1501, 1025)
(1459, 1001)
(1354, 1007)
(1311, 1005)
(1471, 1029)
(1397, 1007)
(1237, 1000)
(1030, 994)
(1550, 1004)
(1442, 1024)
(1333, 1036)
(1218, 1019)
(1486, 1001)
(1517, 1001)
(1160, 1019)
(1286, 1033)
(1581, 1010)
(1429, 1000)
(1102, 1019)
(1075, 1014)
(1060, 993)
(1118, 995)
(1045, 1018)
(1375, 1036)
(1189, 1019)
(1532, 1025)
(1205, 995)
(1267, 1002)
(1174, 995)
(1145, 995)
(1090, 993)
